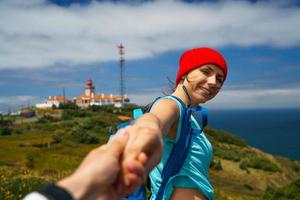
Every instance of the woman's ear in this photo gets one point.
(183, 78)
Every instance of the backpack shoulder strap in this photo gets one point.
(153, 102)
(204, 114)
(138, 112)
(200, 116)
(181, 106)
(179, 151)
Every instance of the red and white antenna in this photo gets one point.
(121, 63)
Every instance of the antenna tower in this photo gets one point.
(64, 95)
(121, 63)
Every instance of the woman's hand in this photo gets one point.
(143, 151)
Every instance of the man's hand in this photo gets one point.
(96, 176)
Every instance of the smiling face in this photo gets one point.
(203, 83)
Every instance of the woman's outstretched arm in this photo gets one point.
(145, 137)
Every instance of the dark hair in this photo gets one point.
(170, 88)
(165, 91)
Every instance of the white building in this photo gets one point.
(52, 101)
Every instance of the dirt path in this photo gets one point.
(27, 120)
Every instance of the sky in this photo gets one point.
(48, 45)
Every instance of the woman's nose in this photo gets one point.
(212, 80)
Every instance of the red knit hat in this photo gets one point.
(195, 58)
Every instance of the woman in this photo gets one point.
(201, 74)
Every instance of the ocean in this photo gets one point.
(275, 131)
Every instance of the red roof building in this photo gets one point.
(89, 97)
(52, 101)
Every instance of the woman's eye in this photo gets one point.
(204, 71)
(220, 80)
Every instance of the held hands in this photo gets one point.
(114, 170)
(96, 176)
(141, 154)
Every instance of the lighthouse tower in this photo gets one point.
(89, 88)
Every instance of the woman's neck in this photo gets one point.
(179, 92)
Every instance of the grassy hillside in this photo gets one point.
(36, 152)
(240, 171)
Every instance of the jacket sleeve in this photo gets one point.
(51, 192)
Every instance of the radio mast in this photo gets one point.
(121, 64)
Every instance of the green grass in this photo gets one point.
(12, 187)
(291, 191)
(27, 162)
(224, 137)
(50, 148)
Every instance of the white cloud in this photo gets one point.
(227, 99)
(34, 33)
(260, 98)
(14, 103)
(145, 96)
(237, 99)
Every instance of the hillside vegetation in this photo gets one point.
(40, 151)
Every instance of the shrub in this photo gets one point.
(5, 122)
(48, 127)
(95, 108)
(228, 154)
(18, 131)
(263, 164)
(99, 129)
(29, 161)
(101, 121)
(56, 139)
(71, 113)
(5, 131)
(106, 108)
(296, 168)
(128, 109)
(244, 165)
(225, 137)
(47, 118)
(41, 120)
(249, 187)
(28, 127)
(216, 165)
(71, 143)
(68, 124)
(16, 188)
(83, 137)
(71, 105)
(291, 191)
(87, 125)
(66, 116)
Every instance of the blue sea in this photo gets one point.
(275, 131)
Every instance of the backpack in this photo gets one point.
(180, 149)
